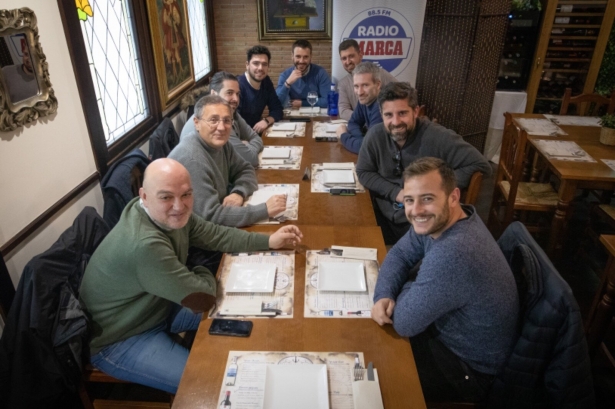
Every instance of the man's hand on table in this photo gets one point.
(233, 200)
(342, 129)
(275, 205)
(260, 126)
(382, 311)
(295, 103)
(285, 237)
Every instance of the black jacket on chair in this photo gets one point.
(46, 329)
(117, 185)
(549, 366)
(163, 140)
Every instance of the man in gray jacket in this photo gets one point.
(402, 138)
(221, 179)
(244, 139)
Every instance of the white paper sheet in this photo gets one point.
(574, 120)
(542, 127)
(563, 150)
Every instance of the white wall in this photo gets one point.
(41, 163)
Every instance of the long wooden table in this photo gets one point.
(390, 353)
(574, 175)
(320, 208)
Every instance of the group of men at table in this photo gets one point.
(154, 274)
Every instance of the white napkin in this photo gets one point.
(339, 165)
(284, 126)
(366, 394)
(332, 128)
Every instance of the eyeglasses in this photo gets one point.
(214, 121)
(399, 169)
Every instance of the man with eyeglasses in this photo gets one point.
(402, 138)
(221, 179)
(257, 91)
(244, 139)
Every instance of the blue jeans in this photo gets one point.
(151, 358)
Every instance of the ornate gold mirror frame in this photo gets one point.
(25, 89)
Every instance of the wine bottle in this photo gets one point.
(226, 403)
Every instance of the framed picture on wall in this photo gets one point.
(168, 21)
(294, 19)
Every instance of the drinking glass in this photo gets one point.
(312, 98)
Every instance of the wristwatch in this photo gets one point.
(267, 120)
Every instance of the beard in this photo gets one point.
(252, 77)
(403, 132)
(439, 222)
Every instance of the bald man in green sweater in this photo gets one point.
(137, 288)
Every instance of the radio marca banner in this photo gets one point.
(388, 33)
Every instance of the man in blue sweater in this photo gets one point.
(303, 77)
(257, 91)
(366, 78)
(460, 310)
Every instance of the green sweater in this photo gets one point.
(138, 272)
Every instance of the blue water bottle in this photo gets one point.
(332, 99)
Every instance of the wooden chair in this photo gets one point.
(588, 104)
(469, 195)
(511, 195)
(93, 375)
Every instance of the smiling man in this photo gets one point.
(460, 310)
(137, 288)
(402, 138)
(257, 91)
(295, 82)
(222, 179)
(351, 56)
(366, 77)
(244, 139)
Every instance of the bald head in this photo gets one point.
(167, 193)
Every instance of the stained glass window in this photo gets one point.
(115, 65)
(198, 37)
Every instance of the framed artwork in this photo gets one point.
(290, 20)
(168, 21)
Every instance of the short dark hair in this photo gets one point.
(256, 50)
(302, 44)
(346, 44)
(209, 100)
(398, 90)
(217, 81)
(425, 165)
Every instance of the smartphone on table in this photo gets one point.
(231, 328)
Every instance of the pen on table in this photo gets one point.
(356, 312)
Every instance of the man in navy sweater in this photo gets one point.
(460, 309)
(257, 91)
(366, 78)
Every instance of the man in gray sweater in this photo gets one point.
(460, 310)
(244, 139)
(402, 138)
(220, 177)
